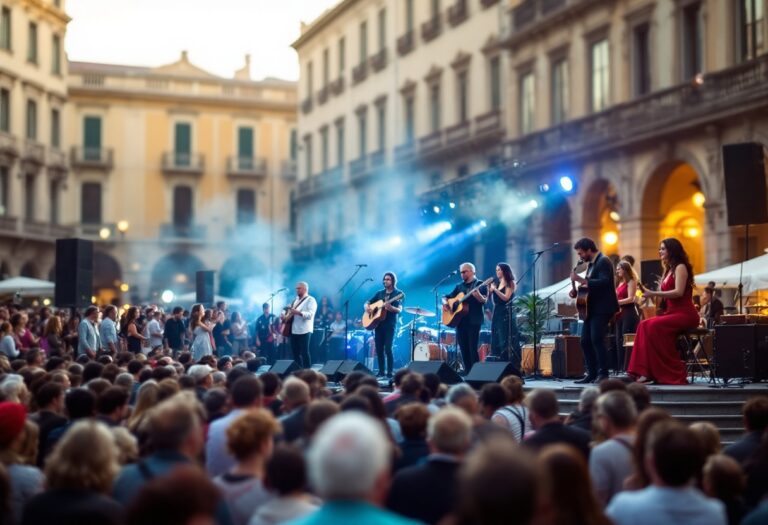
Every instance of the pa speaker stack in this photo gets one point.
(446, 374)
(746, 190)
(284, 367)
(74, 273)
(488, 372)
(337, 369)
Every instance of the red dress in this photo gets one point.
(654, 354)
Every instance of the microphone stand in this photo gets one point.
(346, 308)
(436, 289)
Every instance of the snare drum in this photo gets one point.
(429, 352)
(426, 334)
(448, 337)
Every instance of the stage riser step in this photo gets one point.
(675, 394)
(703, 410)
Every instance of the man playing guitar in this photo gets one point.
(468, 329)
(384, 333)
(602, 305)
(301, 315)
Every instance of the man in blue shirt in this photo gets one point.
(108, 330)
(88, 336)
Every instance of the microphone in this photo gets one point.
(453, 273)
(368, 279)
(282, 290)
(361, 265)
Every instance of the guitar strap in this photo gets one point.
(296, 305)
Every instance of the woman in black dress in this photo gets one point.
(504, 334)
(130, 332)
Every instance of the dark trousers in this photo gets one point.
(267, 351)
(300, 349)
(384, 336)
(593, 344)
(626, 324)
(468, 335)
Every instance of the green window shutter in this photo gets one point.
(92, 138)
(245, 147)
(183, 144)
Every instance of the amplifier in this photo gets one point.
(567, 357)
(741, 351)
(545, 358)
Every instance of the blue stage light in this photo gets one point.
(566, 183)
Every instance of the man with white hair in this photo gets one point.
(349, 463)
(301, 313)
(427, 492)
(468, 329)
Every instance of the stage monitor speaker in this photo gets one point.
(284, 367)
(741, 351)
(74, 273)
(350, 365)
(446, 374)
(482, 373)
(650, 273)
(204, 281)
(331, 370)
(746, 195)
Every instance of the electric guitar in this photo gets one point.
(581, 294)
(378, 313)
(457, 307)
(288, 319)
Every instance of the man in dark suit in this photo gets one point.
(545, 419)
(427, 492)
(602, 304)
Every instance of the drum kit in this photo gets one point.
(426, 343)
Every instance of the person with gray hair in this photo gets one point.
(301, 314)
(426, 492)
(610, 462)
(468, 327)
(582, 417)
(349, 463)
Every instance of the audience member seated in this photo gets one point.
(296, 398)
(724, 479)
(514, 415)
(755, 420)
(640, 477)
(413, 419)
(582, 417)
(410, 392)
(549, 429)
(25, 481)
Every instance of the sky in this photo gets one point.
(216, 33)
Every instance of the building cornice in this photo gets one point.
(322, 22)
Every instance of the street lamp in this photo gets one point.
(104, 233)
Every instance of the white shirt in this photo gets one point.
(155, 333)
(304, 323)
(665, 505)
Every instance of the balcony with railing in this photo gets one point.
(33, 153)
(358, 167)
(457, 133)
(46, 230)
(531, 15)
(431, 28)
(97, 231)
(91, 158)
(288, 170)
(360, 72)
(337, 86)
(524, 14)
(431, 142)
(328, 180)
(304, 187)
(8, 145)
(379, 60)
(250, 167)
(306, 105)
(377, 158)
(458, 12)
(405, 152)
(183, 232)
(405, 43)
(322, 95)
(57, 160)
(189, 163)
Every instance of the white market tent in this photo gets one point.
(754, 276)
(558, 292)
(26, 287)
(191, 297)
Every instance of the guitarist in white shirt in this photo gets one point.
(302, 312)
(468, 329)
(384, 333)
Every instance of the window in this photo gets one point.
(362, 130)
(29, 197)
(382, 29)
(692, 40)
(246, 206)
(56, 55)
(4, 176)
(245, 153)
(527, 102)
(434, 107)
(599, 79)
(55, 128)
(409, 15)
(340, 143)
(5, 110)
(31, 120)
(559, 91)
(751, 24)
(641, 57)
(309, 79)
(5, 29)
(326, 67)
(363, 42)
(90, 203)
(362, 205)
(294, 144)
(182, 207)
(410, 119)
(495, 82)
(435, 8)
(462, 89)
(55, 189)
(381, 113)
(342, 57)
(324, 148)
(182, 148)
(32, 43)
(92, 138)
(308, 156)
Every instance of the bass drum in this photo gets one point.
(429, 352)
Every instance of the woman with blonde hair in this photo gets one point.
(79, 475)
(146, 398)
(628, 316)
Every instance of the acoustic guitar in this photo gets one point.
(288, 318)
(457, 307)
(378, 313)
(581, 294)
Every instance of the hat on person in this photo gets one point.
(199, 372)
(12, 418)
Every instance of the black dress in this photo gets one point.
(502, 330)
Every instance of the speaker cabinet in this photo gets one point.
(744, 168)
(446, 374)
(74, 273)
(482, 373)
(567, 357)
(204, 288)
(331, 370)
(349, 365)
(741, 351)
(284, 367)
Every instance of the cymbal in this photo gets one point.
(416, 310)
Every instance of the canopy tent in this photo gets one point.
(754, 275)
(191, 297)
(26, 287)
(558, 292)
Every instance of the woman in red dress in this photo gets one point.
(654, 355)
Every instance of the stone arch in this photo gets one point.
(5, 270)
(29, 269)
(107, 276)
(236, 271)
(176, 271)
(555, 227)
